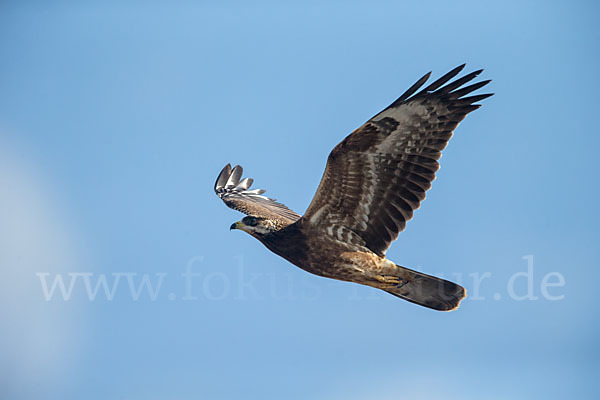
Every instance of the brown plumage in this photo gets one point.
(373, 182)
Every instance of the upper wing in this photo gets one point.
(378, 175)
(235, 194)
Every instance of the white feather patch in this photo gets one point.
(404, 113)
(317, 215)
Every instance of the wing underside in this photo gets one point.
(377, 176)
(236, 194)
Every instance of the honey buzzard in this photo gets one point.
(373, 182)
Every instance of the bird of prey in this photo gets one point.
(373, 182)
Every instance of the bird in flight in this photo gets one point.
(373, 182)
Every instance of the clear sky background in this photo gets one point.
(115, 119)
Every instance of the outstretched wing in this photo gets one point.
(378, 175)
(235, 194)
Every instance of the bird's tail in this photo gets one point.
(426, 290)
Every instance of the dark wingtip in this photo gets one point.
(458, 83)
(227, 167)
(442, 80)
(480, 97)
(458, 94)
(416, 86)
(456, 70)
(223, 176)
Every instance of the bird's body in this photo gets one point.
(337, 259)
(374, 180)
(296, 242)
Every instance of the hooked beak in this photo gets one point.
(235, 225)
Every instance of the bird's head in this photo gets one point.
(255, 226)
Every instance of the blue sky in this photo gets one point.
(116, 118)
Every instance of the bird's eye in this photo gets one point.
(250, 221)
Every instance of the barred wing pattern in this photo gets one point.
(378, 175)
(235, 193)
